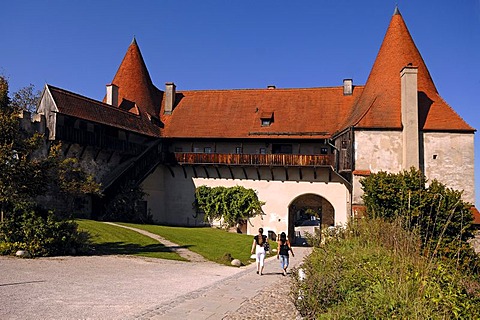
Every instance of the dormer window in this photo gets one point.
(266, 118)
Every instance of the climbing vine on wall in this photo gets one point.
(232, 205)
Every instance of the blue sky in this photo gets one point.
(78, 45)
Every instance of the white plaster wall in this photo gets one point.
(449, 158)
(175, 207)
(376, 151)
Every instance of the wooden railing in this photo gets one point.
(286, 160)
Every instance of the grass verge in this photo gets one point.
(214, 244)
(108, 240)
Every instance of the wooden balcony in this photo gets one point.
(271, 160)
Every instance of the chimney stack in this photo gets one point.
(169, 97)
(347, 87)
(409, 102)
(112, 95)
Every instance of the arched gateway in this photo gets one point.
(307, 212)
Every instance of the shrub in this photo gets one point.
(376, 271)
(231, 205)
(439, 215)
(40, 234)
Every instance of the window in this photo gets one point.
(238, 150)
(178, 149)
(344, 144)
(266, 122)
(323, 150)
(266, 118)
(263, 151)
(207, 150)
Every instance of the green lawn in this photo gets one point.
(212, 243)
(107, 239)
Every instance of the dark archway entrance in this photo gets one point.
(307, 212)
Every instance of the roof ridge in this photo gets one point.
(100, 103)
(266, 89)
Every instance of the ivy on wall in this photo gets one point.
(231, 205)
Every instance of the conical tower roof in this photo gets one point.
(379, 106)
(134, 82)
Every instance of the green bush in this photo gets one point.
(439, 215)
(40, 234)
(376, 271)
(231, 205)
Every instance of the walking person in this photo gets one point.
(284, 248)
(258, 247)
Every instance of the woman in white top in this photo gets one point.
(258, 247)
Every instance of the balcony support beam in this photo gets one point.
(82, 152)
(218, 172)
(97, 154)
(245, 172)
(206, 172)
(231, 172)
(194, 172)
(171, 171)
(184, 172)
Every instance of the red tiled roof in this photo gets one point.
(297, 113)
(72, 104)
(134, 82)
(380, 105)
(364, 173)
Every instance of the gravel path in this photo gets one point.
(125, 287)
(99, 287)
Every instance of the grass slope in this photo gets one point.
(214, 244)
(107, 239)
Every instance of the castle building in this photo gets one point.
(303, 150)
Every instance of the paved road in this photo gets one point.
(119, 287)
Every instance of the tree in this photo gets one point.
(21, 176)
(26, 98)
(232, 205)
(26, 174)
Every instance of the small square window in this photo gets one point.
(207, 150)
(263, 151)
(266, 122)
(323, 150)
(238, 150)
(344, 144)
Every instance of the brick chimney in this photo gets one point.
(411, 133)
(169, 97)
(347, 87)
(112, 95)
